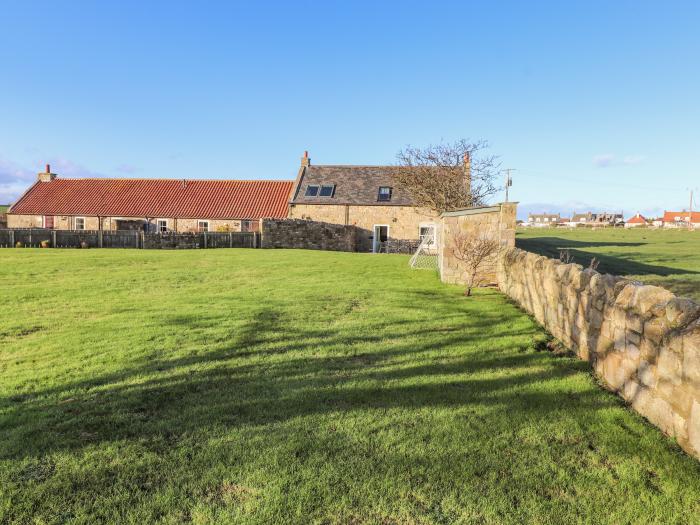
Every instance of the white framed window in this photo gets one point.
(246, 226)
(80, 223)
(426, 231)
(203, 226)
(162, 225)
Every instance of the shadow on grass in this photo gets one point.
(479, 403)
(617, 265)
(183, 396)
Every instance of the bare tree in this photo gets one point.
(565, 256)
(447, 177)
(475, 253)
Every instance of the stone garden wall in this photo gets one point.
(310, 235)
(490, 222)
(642, 341)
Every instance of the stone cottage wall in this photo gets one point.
(309, 235)
(642, 341)
(404, 222)
(491, 222)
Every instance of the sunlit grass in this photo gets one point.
(662, 257)
(256, 386)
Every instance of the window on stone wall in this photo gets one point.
(162, 225)
(327, 190)
(426, 232)
(246, 226)
(203, 226)
(311, 190)
(80, 223)
(384, 194)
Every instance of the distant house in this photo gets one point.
(597, 219)
(157, 205)
(681, 219)
(540, 220)
(364, 196)
(636, 221)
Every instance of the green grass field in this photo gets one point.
(668, 258)
(264, 386)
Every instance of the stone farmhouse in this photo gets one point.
(362, 196)
(154, 205)
(382, 215)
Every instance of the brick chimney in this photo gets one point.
(46, 176)
(305, 160)
(468, 172)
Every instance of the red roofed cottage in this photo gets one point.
(636, 221)
(681, 219)
(149, 204)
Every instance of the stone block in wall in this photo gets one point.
(691, 354)
(669, 365)
(634, 323)
(680, 312)
(581, 279)
(694, 427)
(646, 373)
(647, 297)
(656, 329)
(659, 412)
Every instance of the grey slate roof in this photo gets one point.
(353, 185)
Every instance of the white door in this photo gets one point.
(381, 235)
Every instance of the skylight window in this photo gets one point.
(384, 194)
(327, 191)
(311, 191)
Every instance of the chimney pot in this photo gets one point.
(305, 160)
(47, 176)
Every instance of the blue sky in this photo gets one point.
(596, 104)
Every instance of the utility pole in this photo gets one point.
(690, 211)
(509, 180)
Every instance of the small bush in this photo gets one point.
(19, 244)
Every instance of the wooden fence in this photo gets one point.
(34, 238)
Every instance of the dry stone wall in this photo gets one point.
(310, 235)
(642, 341)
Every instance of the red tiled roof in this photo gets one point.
(670, 216)
(193, 199)
(637, 219)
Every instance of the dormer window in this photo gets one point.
(311, 190)
(384, 194)
(327, 190)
